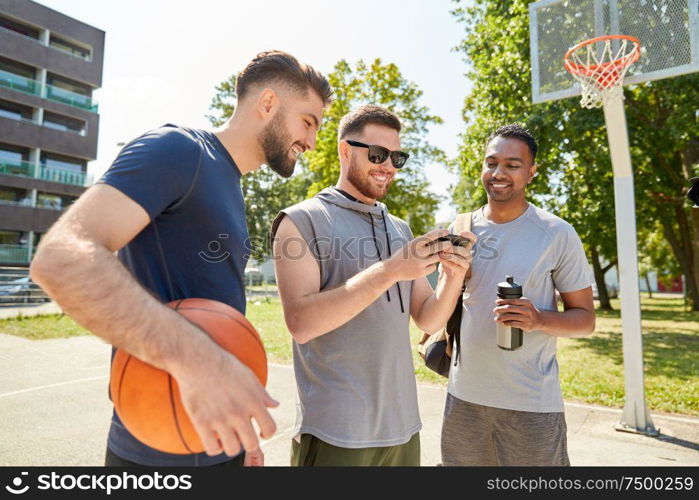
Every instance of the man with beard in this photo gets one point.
(350, 276)
(504, 407)
(167, 197)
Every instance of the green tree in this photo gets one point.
(664, 135)
(575, 179)
(655, 254)
(266, 193)
(383, 85)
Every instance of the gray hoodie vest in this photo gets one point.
(356, 384)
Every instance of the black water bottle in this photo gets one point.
(509, 338)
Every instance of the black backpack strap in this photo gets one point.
(461, 224)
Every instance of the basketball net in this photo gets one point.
(600, 65)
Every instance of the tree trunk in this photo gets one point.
(694, 215)
(650, 292)
(682, 248)
(602, 293)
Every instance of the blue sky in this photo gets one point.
(164, 58)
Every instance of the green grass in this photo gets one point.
(266, 315)
(591, 368)
(48, 326)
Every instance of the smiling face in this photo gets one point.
(291, 131)
(507, 169)
(371, 180)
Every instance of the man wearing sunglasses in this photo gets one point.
(350, 276)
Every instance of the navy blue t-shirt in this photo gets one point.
(196, 244)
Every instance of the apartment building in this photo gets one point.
(50, 64)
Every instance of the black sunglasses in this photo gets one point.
(378, 154)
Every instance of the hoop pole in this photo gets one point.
(635, 416)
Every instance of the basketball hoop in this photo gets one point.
(599, 64)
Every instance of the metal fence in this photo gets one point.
(17, 287)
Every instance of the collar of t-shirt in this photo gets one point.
(349, 196)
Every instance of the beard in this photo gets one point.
(276, 143)
(361, 181)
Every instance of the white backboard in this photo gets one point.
(668, 31)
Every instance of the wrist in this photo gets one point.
(388, 272)
(542, 321)
(454, 280)
(196, 349)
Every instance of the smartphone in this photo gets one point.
(456, 240)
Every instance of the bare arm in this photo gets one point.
(75, 265)
(576, 320)
(310, 313)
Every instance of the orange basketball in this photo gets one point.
(147, 399)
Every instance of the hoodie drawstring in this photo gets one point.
(373, 232)
(388, 244)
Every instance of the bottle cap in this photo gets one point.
(509, 287)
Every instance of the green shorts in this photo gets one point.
(312, 452)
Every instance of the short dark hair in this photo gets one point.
(278, 66)
(516, 131)
(355, 121)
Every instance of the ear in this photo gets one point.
(532, 172)
(267, 103)
(343, 151)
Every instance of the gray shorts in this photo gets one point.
(481, 435)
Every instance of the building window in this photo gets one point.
(12, 237)
(14, 160)
(54, 201)
(19, 28)
(14, 196)
(13, 154)
(68, 91)
(15, 111)
(65, 123)
(54, 161)
(69, 47)
(17, 68)
(18, 76)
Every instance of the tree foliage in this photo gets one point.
(266, 194)
(383, 85)
(575, 179)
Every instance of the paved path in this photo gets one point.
(55, 411)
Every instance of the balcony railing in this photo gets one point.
(33, 87)
(64, 176)
(52, 174)
(21, 168)
(14, 254)
(20, 83)
(71, 98)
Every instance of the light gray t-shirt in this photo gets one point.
(544, 254)
(356, 383)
